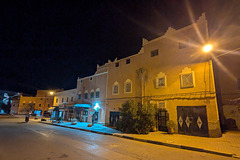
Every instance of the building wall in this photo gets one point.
(43, 101)
(68, 96)
(171, 61)
(95, 83)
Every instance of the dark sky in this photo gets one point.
(48, 44)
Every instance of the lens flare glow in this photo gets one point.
(207, 48)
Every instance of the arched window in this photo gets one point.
(79, 95)
(128, 86)
(115, 88)
(97, 93)
(86, 95)
(161, 80)
(92, 94)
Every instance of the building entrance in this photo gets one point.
(192, 120)
(162, 118)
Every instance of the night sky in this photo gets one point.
(48, 44)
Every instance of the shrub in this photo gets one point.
(137, 118)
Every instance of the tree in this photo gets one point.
(137, 118)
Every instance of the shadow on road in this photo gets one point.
(21, 122)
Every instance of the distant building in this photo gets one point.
(39, 103)
(63, 105)
(91, 93)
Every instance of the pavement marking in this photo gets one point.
(43, 134)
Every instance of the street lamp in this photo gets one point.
(207, 48)
(51, 93)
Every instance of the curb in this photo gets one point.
(153, 142)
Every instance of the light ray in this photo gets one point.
(190, 13)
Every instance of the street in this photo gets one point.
(33, 140)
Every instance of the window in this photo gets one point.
(161, 80)
(115, 88)
(40, 98)
(62, 99)
(40, 105)
(67, 99)
(92, 93)
(81, 81)
(56, 100)
(117, 64)
(127, 61)
(48, 105)
(79, 95)
(90, 78)
(71, 99)
(86, 95)
(85, 112)
(161, 105)
(187, 78)
(47, 99)
(154, 53)
(128, 86)
(97, 93)
(182, 45)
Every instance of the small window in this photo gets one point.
(79, 96)
(127, 61)
(67, 99)
(92, 94)
(86, 95)
(47, 99)
(182, 45)
(90, 78)
(115, 88)
(81, 81)
(161, 82)
(154, 53)
(117, 64)
(97, 94)
(71, 99)
(186, 80)
(161, 105)
(56, 100)
(40, 98)
(62, 99)
(40, 105)
(48, 105)
(85, 112)
(128, 86)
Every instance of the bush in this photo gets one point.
(137, 118)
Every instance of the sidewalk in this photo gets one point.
(227, 145)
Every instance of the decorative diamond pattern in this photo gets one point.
(188, 122)
(180, 121)
(199, 122)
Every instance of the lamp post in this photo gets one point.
(50, 93)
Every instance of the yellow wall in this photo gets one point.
(171, 61)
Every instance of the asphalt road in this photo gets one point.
(36, 141)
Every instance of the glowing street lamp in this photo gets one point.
(207, 48)
(51, 93)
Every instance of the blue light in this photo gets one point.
(96, 107)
